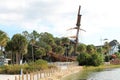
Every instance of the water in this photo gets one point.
(107, 74)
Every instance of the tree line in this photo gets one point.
(33, 46)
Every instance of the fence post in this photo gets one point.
(37, 75)
(40, 74)
(15, 77)
(49, 72)
(44, 73)
(27, 76)
(19, 77)
(30, 76)
(22, 76)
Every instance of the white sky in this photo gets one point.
(100, 18)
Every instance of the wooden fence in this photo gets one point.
(36, 75)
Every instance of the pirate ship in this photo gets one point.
(58, 57)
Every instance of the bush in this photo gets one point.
(83, 58)
(90, 59)
(107, 58)
(11, 69)
(37, 65)
(32, 66)
(96, 59)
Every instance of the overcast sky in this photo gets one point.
(100, 18)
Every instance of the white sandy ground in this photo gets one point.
(64, 71)
(7, 77)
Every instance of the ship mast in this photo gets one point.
(78, 29)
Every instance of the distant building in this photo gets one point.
(4, 61)
(113, 46)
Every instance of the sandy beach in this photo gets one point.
(64, 73)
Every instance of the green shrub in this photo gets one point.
(83, 58)
(107, 58)
(37, 65)
(11, 69)
(90, 59)
(16, 69)
(96, 59)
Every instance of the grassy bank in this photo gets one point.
(86, 70)
(101, 67)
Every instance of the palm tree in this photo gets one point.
(3, 39)
(19, 45)
(27, 35)
(59, 50)
(9, 49)
(47, 38)
(58, 41)
(32, 38)
(40, 52)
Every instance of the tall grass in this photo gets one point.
(29, 67)
(101, 67)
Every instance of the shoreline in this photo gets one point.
(62, 73)
(76, 69)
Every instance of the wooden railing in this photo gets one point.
(40, 75)
(36, 75)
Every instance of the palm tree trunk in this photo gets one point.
(17, 58)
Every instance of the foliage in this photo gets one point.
(42, 64)
(48, 48)
(18, 44)
(37, 65)
(38, 45)
(81, 48)
(32, 66)
(44, 45)
(39, 53)
(58, 41)
(107, 58)
(106, 47)
(91, 49)
(11, 69)
(90, 59)
(70, 50)
(96, 59)
(65, 40)
(84, 59)
(59, 50)
(3, 39)
(100, 50)
(47, 38)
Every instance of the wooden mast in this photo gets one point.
(78, 28)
